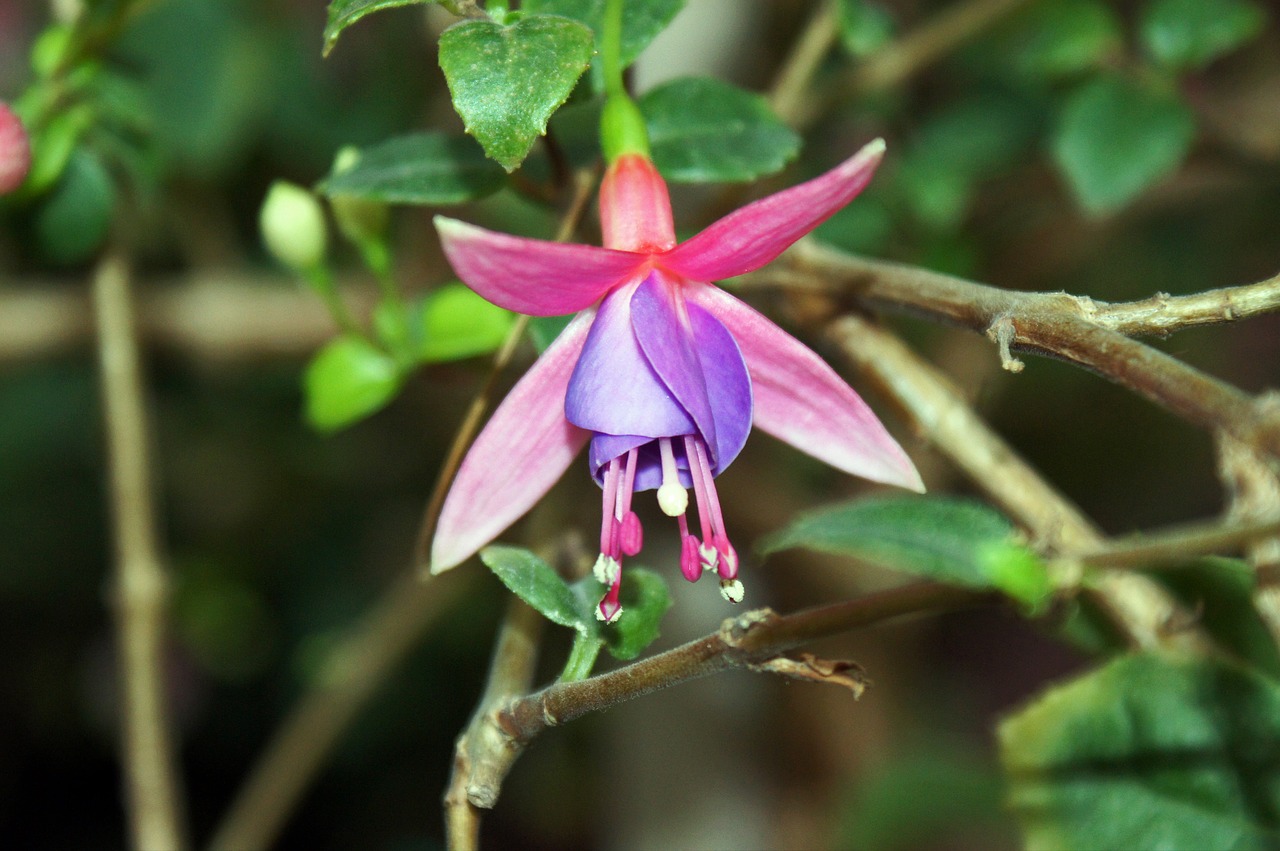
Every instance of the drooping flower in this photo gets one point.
(662, 373)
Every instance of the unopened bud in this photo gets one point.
(293, 227)
(360, 219)
(15, 151)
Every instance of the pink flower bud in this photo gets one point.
(15, 151)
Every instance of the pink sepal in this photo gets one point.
(533, 276)
(801, 400)
(748, 238)
(519, 455)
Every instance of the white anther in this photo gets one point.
(673, 499)
(606, 569)
(710, 557)
(732, 590)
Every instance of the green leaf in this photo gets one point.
(1221, 591)
(948, 539)
(642, 20)
(457, 323)
(506, 81)
(347, 380)
(1116, 138)
(534, 581)
(1063, 37)
(422, 168)
(864, 27)
(1148, 752)
(645, 599)
(344, 13)
(1189, 34)
(704, 131)
(73, 219)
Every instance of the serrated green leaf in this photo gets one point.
(534, 581)
(506, 81)
(347, 380)
(1116, 138)
(705, 131)
(344, 13)
(864, 27)
(1189, 34)
(645, 599)
(457, 323)
(642, 20)
(1146, 753)
(1220, 591)
(951, 540)
(1063, 37)
(421, 168)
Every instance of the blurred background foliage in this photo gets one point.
(1111, 149)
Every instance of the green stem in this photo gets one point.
(321, 280)
(611, 50)
(582, 658)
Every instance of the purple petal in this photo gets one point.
(748, 238)
(532, 275)
(614, 390)
(519, 455)
(728, 384)
(666, 338)
(801, 400)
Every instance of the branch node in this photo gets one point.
(1003, 333)
(733, 630)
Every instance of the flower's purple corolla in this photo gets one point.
(660, 372)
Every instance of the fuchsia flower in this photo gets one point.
(662, 373)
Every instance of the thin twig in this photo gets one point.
(1153, 548)
(915, 51)
(790, 87)
(471, 421)
(1054, 324)
(351, 676)
(510, 675)
(141, 586)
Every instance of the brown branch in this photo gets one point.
(141, 586)
(1154, 548)
(1054, 324)
(482, 749)
(788, 94)
(351, 676)
(742, 642)
(1162, 314)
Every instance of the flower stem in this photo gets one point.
(582, 658)
(622, 128)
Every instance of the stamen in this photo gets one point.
(610, 609)
(732, 590)
(672, 497)
(630, 534)
(699, 487)
(606, 569)
(628, 484)
(690, 562)
(610, 489)
(728, 566)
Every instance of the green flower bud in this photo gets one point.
(293, 226)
